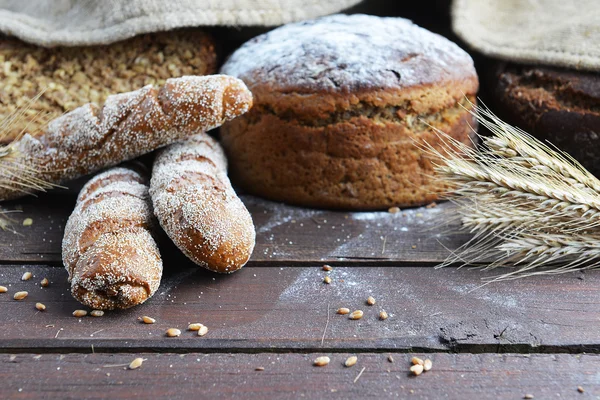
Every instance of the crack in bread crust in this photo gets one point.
(398, 114)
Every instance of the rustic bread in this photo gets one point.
(108, 249)
(69, 77)
(128, 125)
(197, 207)
(556, 105)
(339, 102)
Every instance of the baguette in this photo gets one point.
(108, 250)
(197, 207)
(128, 125)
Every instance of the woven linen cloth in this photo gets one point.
(564, 33)
(86, 22)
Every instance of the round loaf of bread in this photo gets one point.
(339, 103)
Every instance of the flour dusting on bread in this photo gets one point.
(197, 207)
(128, 125)
(108, 249)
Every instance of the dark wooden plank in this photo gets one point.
(286, 308)
(284, 233)
(187, 376)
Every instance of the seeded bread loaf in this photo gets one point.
(108, 249)
(556, 105)
(69, 77)
(197, 207)
(339, 103)
(128, 125)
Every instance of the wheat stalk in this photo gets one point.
(13, 173)
(529, 205)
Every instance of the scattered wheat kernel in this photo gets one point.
(416, 361)
(383, 315)
(393, 210)
(27, 222)
(147, 320)
(414, 246)
(416, 369)
(26, 276)
(432, 205)
(427, 364)
(20, 295)
(343, 311)
(327, 280)
(370, 300)
(3, 289)
(202, 331)
(580, 389)
(97, 313)
(40, 306)
(528, 396)
(358, 314)
(321, 361)
(259, 368)
(327, 267)
(194, 327)
(79, 313)
(173, 332)
(390, 358)
(351, 361)
(45, 282)
(136, 363)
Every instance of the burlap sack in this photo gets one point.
(554, 32)
(86, 22)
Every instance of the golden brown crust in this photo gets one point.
(361, 163)
(108, 250)
(197, 207)
(335, 125)
(69, 77)
(126, 126)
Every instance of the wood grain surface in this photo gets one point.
(287, 308)
(284, 233)
(187, 376)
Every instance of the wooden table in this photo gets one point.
(538, 336)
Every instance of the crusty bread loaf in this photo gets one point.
(339, 103)
(128, 125)
(108, 250)
(556, 105)
(69, 77)
(197, 207)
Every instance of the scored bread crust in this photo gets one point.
(128, 125)
(339, 104)
(108, 248)
(197, 207)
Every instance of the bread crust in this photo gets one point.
(108, 248)
(339, 104)
(128, 125)
(555, 105)
(197, 207)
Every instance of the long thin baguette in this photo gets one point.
(128, 125)
(108, 250)
(197, 207)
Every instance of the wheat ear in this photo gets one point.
(529, 205)
(13, 173)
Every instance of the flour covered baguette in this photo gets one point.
(108, 250)
(128, 125)
(197, 207)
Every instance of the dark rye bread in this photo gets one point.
(557, 105)
(339, 103)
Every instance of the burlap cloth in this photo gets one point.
(554, 32)
(86, 22)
